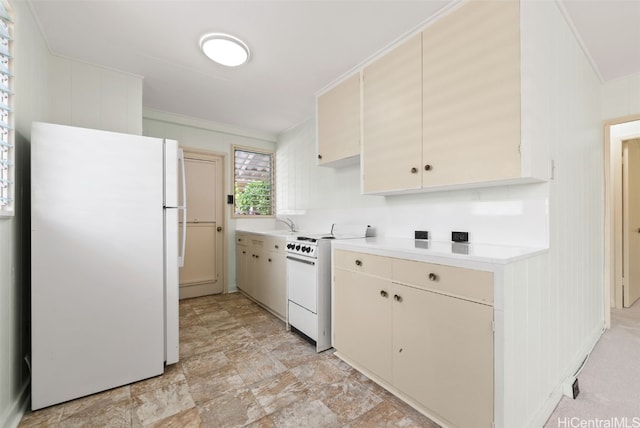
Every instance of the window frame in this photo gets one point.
(272, 155)
(8, 149)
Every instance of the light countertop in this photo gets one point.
(435, 252)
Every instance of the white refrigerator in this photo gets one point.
(105, 254)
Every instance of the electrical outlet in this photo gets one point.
(570, 387)
(460, 236)
(575, 389)
(421, 234)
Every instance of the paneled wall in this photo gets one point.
(31, 61)
(90, 96)
(621, 97)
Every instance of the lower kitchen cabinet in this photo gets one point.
(443, 355)
(261, 270)
(434, 349)
(363, 321)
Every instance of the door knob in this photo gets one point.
(219, 228)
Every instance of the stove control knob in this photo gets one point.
(298, 247)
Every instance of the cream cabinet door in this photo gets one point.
(242, 256)
(339, 122)
(273, 289)
(255, 273)
(443, 355)
(362, 321)
(471, 102)
(392, 120)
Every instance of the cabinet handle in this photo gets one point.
(244, 252)
(414, 170)
(384, 293)
(427, 167)
(358, 263)
(277, 246)
(397, 298)
(319, 156)
(433, 277)
(219, 228)
(269, 260)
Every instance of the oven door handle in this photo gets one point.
(309, 262)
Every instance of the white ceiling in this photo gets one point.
(298, 47)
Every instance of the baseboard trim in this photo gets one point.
(545, 411)
(18, 408)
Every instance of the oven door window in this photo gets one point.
(301, 282)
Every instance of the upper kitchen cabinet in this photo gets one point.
(392, 120)
(472, 113)
(471, 95)
(338, 121)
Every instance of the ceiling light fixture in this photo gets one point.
(224, 49)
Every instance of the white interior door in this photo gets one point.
(202, 273)
(631, 222)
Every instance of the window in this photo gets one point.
(253, 182)
(7, 157)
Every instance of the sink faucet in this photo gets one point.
(288, 222)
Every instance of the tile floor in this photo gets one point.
(239, 367)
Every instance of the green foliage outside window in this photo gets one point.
(254, 199)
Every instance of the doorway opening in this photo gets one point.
(620, 212)
(204, 271)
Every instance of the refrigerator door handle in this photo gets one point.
(183, 207)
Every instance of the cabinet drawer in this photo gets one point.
(275, 244)
(242, 239)
(364, 263)
(465, 283)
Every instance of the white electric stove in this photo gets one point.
(309, 284)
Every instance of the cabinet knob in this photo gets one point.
(384, 293)
(433, 277)
(244, 252)
(414, 170)
(358, 263)
(269, 260)
(397, 298)
(427, 167)
(277, 246)
(319, 156)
